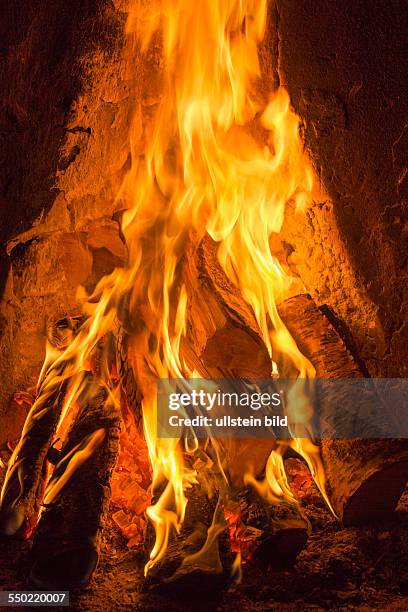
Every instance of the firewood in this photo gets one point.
(273, 535)
(223, 335)
(223, 341)
(26, 469)
(193, 561)
(365, 477)
(25, 472)
(69, 533)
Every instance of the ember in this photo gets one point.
(130, 482)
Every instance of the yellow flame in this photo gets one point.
(71, 462)
(219, 159)
(205, 171)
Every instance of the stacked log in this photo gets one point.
(364, 477)
(223, 341)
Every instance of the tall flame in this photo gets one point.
(219, 159)
(203, 170)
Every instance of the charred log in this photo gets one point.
(197, 559)
(365, 477)
(25, 474)
(273, 535)
(68, 537)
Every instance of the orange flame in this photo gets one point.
(203, 171)
(218, 159)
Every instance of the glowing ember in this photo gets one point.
(243, 538)
(130, 482)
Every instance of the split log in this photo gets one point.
(365, 477)
(24, 479)
(223, 341)
(222, 331)
(68, 536)
(196, 561)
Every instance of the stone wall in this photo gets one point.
(65, 106)
(343, 65)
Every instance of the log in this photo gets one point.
(189, 566)
(26, 469)
(223, 335)
(69, 533)
(365, 477)
(223, 341)
(273, 535)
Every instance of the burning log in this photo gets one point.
(222, 340)
(365, 477)
(25, 474)
(223, 335)
(68, 536)
(225, 341)
(194, 560)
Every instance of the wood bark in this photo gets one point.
(365, 477)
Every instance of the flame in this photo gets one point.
(204, 170)
(219, 159)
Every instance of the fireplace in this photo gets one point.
(201, 192)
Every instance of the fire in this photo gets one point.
(219, 159)
(205, 170)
